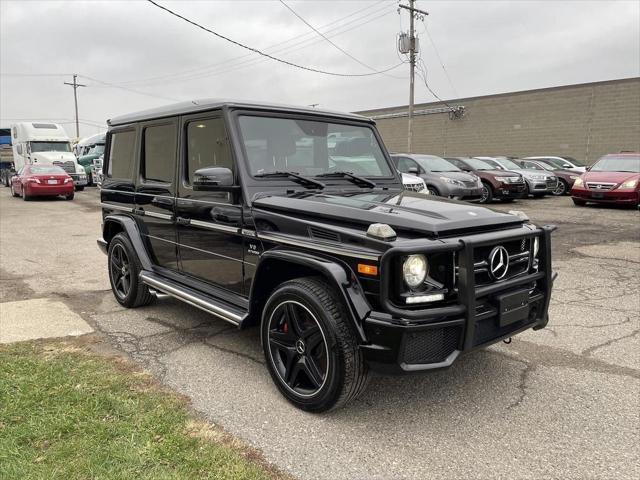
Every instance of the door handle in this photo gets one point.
(183, 221)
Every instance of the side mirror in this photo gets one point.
(19, 149)
(414, 170)
(588, 168)
(213, 179)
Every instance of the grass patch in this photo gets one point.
(68, 413)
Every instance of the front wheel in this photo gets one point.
(311, 350)
(561, 189)
(578, 203)
(433, 191)
(79, 188)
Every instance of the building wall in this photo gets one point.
(583, 121)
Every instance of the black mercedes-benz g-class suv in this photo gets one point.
(295, 220)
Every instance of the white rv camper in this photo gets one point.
(45, 143)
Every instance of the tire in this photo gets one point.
(79, 189)
(561, 189)
(508, 200)
(69, 197)
(13, 192)
(311, 350)
(90, 180)
(25, 197)
(578, 203)
(433, 191)
(487, 193)
(538, 195)
(131, 292)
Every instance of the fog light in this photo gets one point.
(434, 297)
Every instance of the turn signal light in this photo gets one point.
(367, 269)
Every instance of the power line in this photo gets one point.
(422, 73)
(35, 74)
(264, 54)
(426, 30)
(204, 68)
(338, 47)
(113, 85)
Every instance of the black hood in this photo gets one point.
(420, 213)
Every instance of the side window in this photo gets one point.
(159, 153)
(404, 164)
(534, 166)
(121, 154)
(207, 146)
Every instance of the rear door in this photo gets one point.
(208, 223)
(156, 189)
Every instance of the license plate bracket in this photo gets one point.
(512, 307)
(597, 195)
(52, 182)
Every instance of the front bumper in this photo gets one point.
(402, 341)
(462, 193)
(510, 190)
(614, 197)
(79, 182)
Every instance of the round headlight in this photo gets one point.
(414, 270)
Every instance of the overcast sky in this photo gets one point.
(486, 46)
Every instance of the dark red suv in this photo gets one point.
(496, 184)
(614, 179)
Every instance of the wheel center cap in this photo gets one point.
(124, 270)
(300, 346)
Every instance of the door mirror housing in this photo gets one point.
(588, 168)
(414, 170)
(19, 149)
(214, 179)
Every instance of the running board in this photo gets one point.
(188, 295)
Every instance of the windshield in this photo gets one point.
(435, 164)
(46, 169)
(97, 149)
(311, 147)
(50, 147)
(508, 164)
(478, 164)
(577, 163)
(618, 163)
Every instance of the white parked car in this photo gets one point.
(414, 183)
(565, 163)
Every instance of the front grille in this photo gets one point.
(431, 346)
(414, 187)
(519, 251)
(600, 186)
(67, 166)
(470, 183)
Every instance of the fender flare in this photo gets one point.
(337, 274)
(130, 227)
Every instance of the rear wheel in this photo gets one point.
(124, 271)
(311, 350)
(25, 195)
(13, 192)
(561, 189)
(70, 196)
(578, 203)
(487, 193)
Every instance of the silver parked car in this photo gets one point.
(442, 177)
(539, 183)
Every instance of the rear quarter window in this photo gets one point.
(121, 154)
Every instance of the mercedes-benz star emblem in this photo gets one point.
(498, 262)
(300, 347)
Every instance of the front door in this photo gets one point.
(208, 223)
(156, 187)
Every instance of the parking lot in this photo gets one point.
(558, 403)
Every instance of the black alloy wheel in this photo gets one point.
(561, 188)
(298, 348)
(120, 269)
(310, 345)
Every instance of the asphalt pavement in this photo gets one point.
(558, 403)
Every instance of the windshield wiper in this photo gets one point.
(365, 182)
(309, 182)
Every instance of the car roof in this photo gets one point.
(203, 105)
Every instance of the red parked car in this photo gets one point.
(42, 180)
(614, 179)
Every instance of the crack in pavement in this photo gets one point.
(587, 352)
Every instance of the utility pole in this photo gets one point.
(75, 86)
(413, 13)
